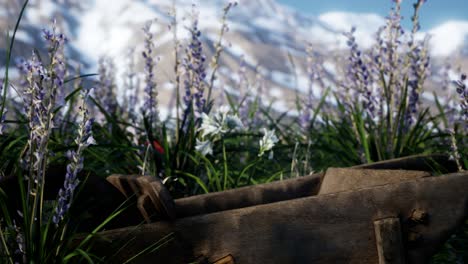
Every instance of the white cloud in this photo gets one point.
(106, 28)
(366, 25)
(448, 37)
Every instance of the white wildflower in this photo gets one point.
(204, 147)
(267, 142)
(211, 126)
(220, 123)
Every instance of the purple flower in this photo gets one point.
(55, 42)
(463, 95)
(132, 84)
(359, 76)
(150, 106)
(454, 153)
(419, 70)
(37, 106)
(195, 72)
(83, 140)
(107, 87)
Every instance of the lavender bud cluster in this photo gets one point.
(83, 140)
(56, 42)
(463, 94)
(359, 75)
(454, 153)
(420, 62)
(40, 122)
(150, 106)
(107, 85)
(15, 240)
(132, 83)
(195, 72)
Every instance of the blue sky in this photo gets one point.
(433, 13)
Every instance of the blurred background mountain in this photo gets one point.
(266, 41)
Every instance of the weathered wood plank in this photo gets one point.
(345, 179)
(249, 196)
(388, 241)
(429, 162)
(332, 228)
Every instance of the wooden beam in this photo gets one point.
(388, 240)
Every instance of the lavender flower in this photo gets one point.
(218, 47)
(150, 106)
(419, 69)
(56, 43)
(15, 240)
(106, 88)
(463, 94)
(359, 76)
(195, 72)
(84, 139)
(131, 82)
(454, 153)
(40, 119)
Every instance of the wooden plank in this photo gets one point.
(249, 196)
(345, 179)
(428, 162)
(388, 240)
(333, 228)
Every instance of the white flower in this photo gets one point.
(90, 141)
(204, 147)
(210, 126)
(267, 142)
(220, 123)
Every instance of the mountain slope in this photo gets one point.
(262, 33)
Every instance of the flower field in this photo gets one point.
(55, 116)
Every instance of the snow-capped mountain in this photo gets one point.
(269, 37)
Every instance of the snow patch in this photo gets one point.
(366, 25)
(23, 36)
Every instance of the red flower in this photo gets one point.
(158, 147)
